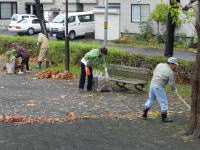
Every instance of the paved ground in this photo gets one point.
(181, 54)
(23, 95)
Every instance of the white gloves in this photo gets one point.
(175, 91)
(106, 72)
(106, 69)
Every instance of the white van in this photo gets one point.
(17, 17)
(79, 23)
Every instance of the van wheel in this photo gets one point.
(30, 31)
(72, 35)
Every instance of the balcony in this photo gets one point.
(88, 1)
(71, 1)
(114, 1)
(46, 1)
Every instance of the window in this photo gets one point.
(35, 21)
(86, 18)
(25, 17)
(139, 13)
(59, 19)
(7, 9)
(71, 19)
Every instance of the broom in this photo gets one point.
(183, 100)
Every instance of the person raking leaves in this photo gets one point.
(95, 57)
(162, 74)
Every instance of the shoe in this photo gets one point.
(145, 112)
(164, 118)
(20, 72)
(47, 64)
(81, 90)
(39, 64)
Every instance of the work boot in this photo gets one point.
(47, 64)
(145, 111)
(164, 117)
(39, 64)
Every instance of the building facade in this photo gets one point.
(131, 12)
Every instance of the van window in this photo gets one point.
(71, 19)
(59, 19)
(86, 18)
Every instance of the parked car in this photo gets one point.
(29, 26)
(79, 23)
(17, 17)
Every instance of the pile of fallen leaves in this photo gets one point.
(71, 116)
(3, 69)
(55, 75)
(34, 59)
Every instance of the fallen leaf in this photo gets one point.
(31, 105)
(63, 96)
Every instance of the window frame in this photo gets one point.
(91, 18)
(12, 8)
(132, 20)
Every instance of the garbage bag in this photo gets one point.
(10, 67)
(101, 83)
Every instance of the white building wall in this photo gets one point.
(88, 7)
(113, 24)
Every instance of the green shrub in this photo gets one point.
(77, 51)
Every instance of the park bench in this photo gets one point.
(125, 76)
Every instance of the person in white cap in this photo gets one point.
(162, 74)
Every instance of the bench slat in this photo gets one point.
(127, 81)
(128, 72)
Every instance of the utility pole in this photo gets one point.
(105, 23)
(67, 53)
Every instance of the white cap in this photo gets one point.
(172, 60)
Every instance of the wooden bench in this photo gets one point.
(127, 75)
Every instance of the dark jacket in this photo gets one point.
(22, 52)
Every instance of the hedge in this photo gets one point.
(77, 51)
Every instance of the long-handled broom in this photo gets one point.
(183, 100)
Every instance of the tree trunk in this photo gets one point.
(169, 44)
(194, 125)
(40, 15)
(158, 30)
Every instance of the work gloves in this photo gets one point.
(87, 71)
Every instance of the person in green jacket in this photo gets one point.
(95, 57)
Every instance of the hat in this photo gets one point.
(172, 60)
(13, 45)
